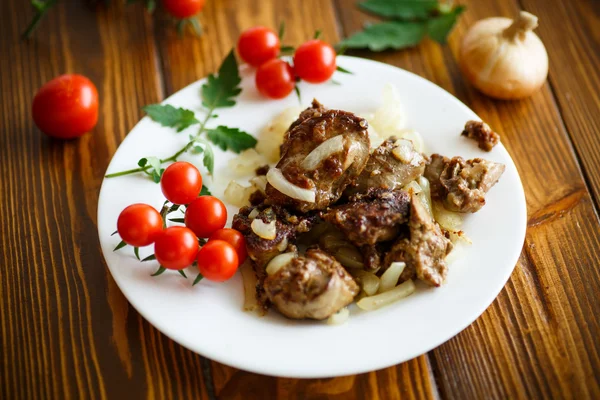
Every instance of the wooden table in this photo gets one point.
(66, 330)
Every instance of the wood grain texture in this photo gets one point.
(66, 331)
(538, 339)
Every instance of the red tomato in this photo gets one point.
(314, 61)
(217, 260)
(234, 238)
(181, 183)
(176, 247)
(66, 107)
(183, 8)
(139, 225)
(275, 79)
(257, 45)
(205, 215)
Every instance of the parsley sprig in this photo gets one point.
(408, 22)
(219, 91)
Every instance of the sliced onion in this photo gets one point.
(264, 230)
(414, 186)
(278, 181)
(416, 139)
(390, 277)
(368, 281)
(253, 214)
(322, 151)
(283, 244)
(425, 196)
(279, 261)
(250, 281)
(403, 150)
(259, 182)
(339, 317)
(349, 257)
(383, 299)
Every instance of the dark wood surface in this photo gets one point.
(66, 331)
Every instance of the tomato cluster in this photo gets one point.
(314, 62)
(177, 247)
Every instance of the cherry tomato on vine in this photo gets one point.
(217, 260)
(275, 79)
(183, 8)
(234, 238)
(205, 215)
(258, 45)
(176, 247)
(66, 107)
(181, 182)
(314, 61)
(139, 225)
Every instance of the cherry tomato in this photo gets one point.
(176, 247)
(183, 8)
(181, 182)
(234, 238)
(139, 225)
(314, 61)
(217, 260)
(205, 215)
(66, 107)
(275, 79)
(258, 45)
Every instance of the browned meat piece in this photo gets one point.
(262, 170)
(425, 250)
(371, 218)
(288, 226)
(462, 185)
(479, 131)
(311, 286)
(392, 165)
(371, 257)
(316, 109)
(326, 177)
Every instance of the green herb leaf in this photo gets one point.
(151, 257)
(178, 220)
(167, 115)
(142, 162)
(220, 91)
(387, 35)
(197, 150)
(281, 30)
(120, 245)
(136, 251)
(287, 49)
(439, 28)
(403, 9)
(159, 271)
(198, 279)
(317, 34)
(343, 70)
(154, 162)
(231, 139)
(182, 273)
(205, 191)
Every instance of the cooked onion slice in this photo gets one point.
(253, 214)
(383, 299)
(250, 281)
(322, 151)
(368, 281)
(264, 230)
(390, 276)
(278, 181)
(279, 261)
(339, 317)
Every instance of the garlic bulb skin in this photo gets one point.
(503, 58)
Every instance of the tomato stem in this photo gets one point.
(41, 8)
(174, 157)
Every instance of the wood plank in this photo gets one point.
(574, 53)
(66, 331)
(537, 338)
(189, 59)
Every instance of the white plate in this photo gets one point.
(208, 318)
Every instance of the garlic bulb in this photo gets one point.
(504, 58)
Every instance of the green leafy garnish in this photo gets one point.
(231, 139)
(439, 28)
(205, 191)
(220, 91)
(400, 9)
(387, 35)
(198, 279)
(159, 271)
(120, 245)
(343, 70)
(151, 257)
(167, 115)
(182, 273)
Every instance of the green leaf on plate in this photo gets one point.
(400, 9)
(220, 90)
(205, 191)
(439, 28)
(227, 138)
(387, 35)
(167, 115)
